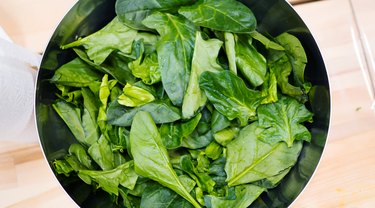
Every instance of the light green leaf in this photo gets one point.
(151, 158)
(244, 196)
(110, 180)
(283, 121)
(204, 59)
(134, 96)
(249, 159)
(75, 73)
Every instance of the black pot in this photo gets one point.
(274, 17)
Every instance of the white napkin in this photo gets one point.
(17, 85)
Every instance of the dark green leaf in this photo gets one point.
(115, 35)
(196, 141)
(229, 15)
(172, 134)
(219, 122)
(161, 111)
(230, 96)
(133, 12)
(175, 52)
(157, 196)
(115, 65)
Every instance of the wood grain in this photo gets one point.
(345, 177)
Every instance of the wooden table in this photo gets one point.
(346, 175)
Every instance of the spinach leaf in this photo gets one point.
(250, 159)
(157, 196)
(282, 121)
(75, 73)
(230, 51)
(69, 95)
(172, 134)
(115, 35)
(225, 136)
(196, 141)
(230, 96)
(89, 117)
(220, 15)
(245, 195)
(175, 51)
(280, 65)
(296, 55)
(269, 44)
(101, 152)
(204, 59)
(146, 68)
(219, 122)
(110, 180)
(133, 12)
(203, 180)
(62, 167)
(151, 157)
(72, 117)
(269, 89)
(161, 111)
(213, 150)
(250, 62)
(80, 153)
(114, 65)
(134, 96)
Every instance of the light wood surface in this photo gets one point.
(346, 175)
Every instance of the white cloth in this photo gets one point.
(17, 86)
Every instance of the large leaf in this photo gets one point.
(250, 159)
(161, 111)
(133, 12)
(75, 73)
(175, 52)
(230, 96)
(110, 180)
(151, 158)
(157, 196)
(229, 15)
(114, 36)
(244, 196)
(204, 59)
(283, 121)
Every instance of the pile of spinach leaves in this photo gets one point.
(182, 103)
